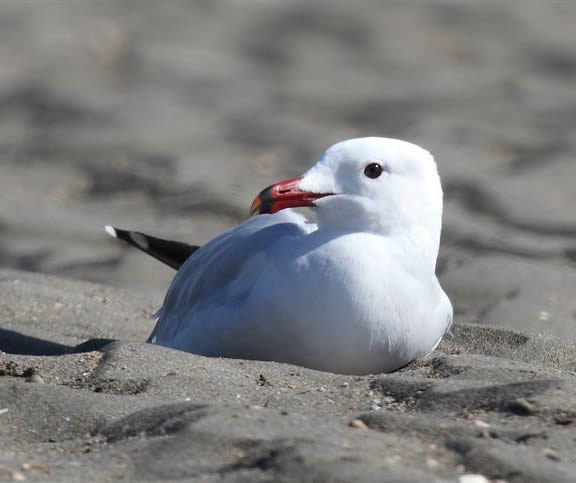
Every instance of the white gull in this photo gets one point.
(353, 293)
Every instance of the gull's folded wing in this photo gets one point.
(222, 272)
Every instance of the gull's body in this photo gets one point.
(355, 292)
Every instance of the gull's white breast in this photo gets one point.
(352, 307)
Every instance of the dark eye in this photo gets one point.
(373, 170)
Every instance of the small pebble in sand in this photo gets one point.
(543, 316)
(563, 418)
(551, 454)
(358, 424)
(481, 424)
(36, 378)
(36, 466)
(523, 407)
(473, 478)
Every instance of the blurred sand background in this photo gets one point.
(168, 117)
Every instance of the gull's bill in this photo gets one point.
(282, 195)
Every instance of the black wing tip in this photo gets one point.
(139, 240)
(170, 252)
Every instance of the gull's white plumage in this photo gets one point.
(354, 293)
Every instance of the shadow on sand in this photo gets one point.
(13, 342)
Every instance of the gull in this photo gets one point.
(353, 292)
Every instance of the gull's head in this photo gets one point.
(374, 184)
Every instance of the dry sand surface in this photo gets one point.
(168, 117)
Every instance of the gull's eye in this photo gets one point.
(373, 170)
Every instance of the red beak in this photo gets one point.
(284, 194)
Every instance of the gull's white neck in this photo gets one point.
(415, 240)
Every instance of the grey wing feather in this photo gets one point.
(218, 263)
